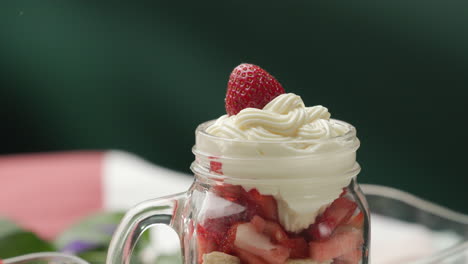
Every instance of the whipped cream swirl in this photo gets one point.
(285, 118)
(293, 152)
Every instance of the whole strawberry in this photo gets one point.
(250, 86)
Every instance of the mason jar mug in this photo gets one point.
(262, 202)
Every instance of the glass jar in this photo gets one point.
(262, 202)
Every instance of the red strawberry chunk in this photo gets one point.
(227, 244)
(217, 228)
(249, 240)
(250, 86)
(299, 247)
(258, 223)
(266, 206)
(205, 242)
(263, 205)
(216, 167)
(275, 231)
(341, 243)
(233, 193)
(336, 214)
(272, 229)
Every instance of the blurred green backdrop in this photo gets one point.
(140, 76)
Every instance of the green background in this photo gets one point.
(140, 76)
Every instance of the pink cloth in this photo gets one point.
(45, 193)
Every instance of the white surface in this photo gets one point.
(129, 180)
(396, 242)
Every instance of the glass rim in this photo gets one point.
(350, 135)
(203, 174)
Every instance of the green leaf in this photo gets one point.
(8, 227)
(90, 237)
(14, 241)
(20, 243)
(96, 230)
(94, 257)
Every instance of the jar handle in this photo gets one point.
(164, 210)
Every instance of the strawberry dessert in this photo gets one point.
(284, 173)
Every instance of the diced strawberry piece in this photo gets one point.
(336, 214)
(341, 243)
(275, 232)
(227, 244)
(233, 193)
(352, 257)
(263, 205)
(248, 258)
(205, 242)
(258, 223)
(266, 205)
(248, 239)
(298, 246)
(272, 229)
(216, 167)
(357, 221)
(218, 227)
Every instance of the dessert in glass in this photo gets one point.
(275, 182)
